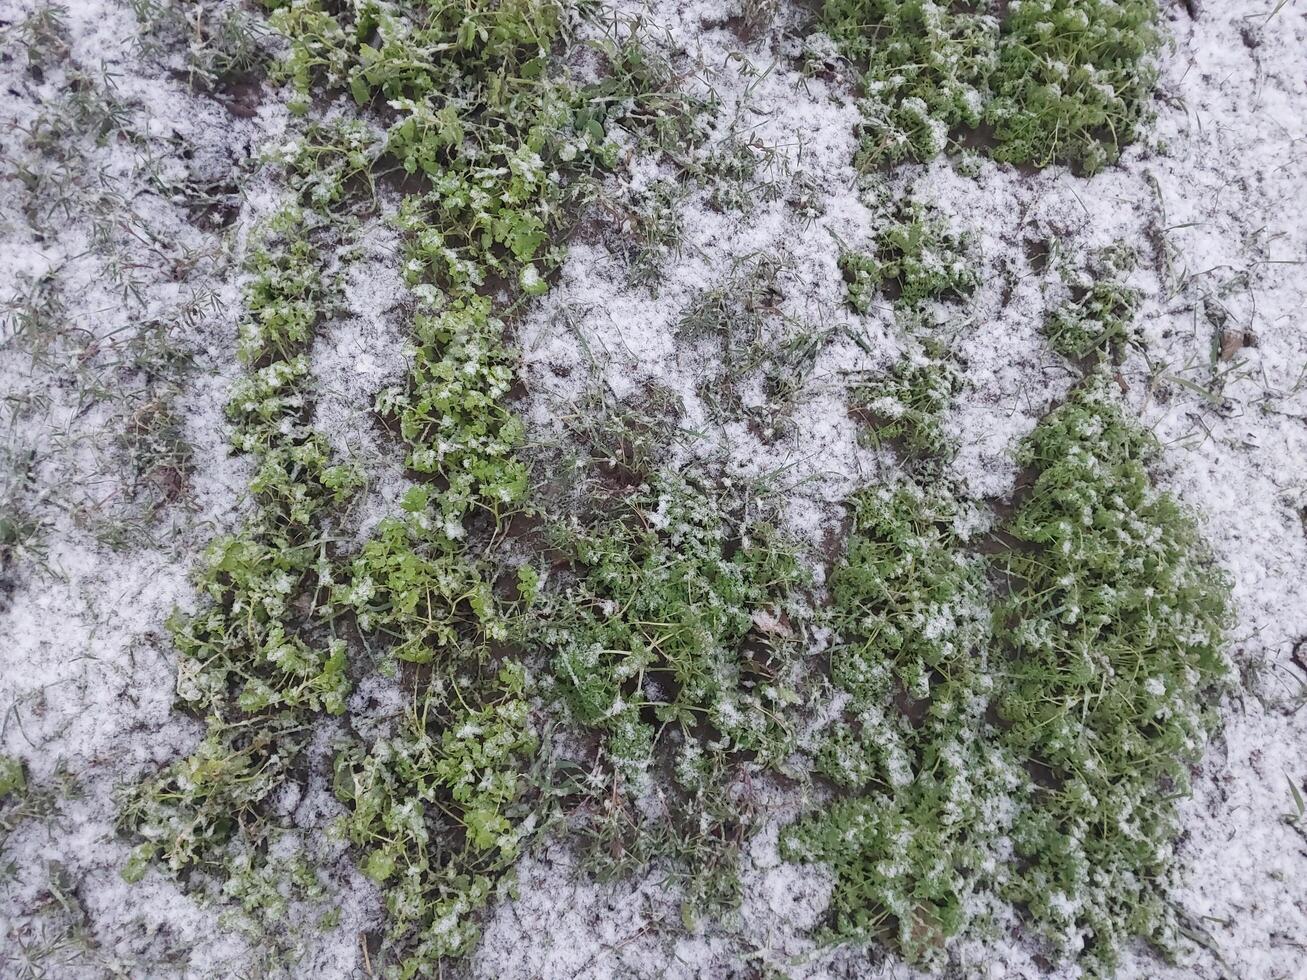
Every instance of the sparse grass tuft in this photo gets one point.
(256, 661)
(220, 43)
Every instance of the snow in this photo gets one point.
(1212, 202)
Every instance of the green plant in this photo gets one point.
(325, 162)
(925, 71)
(43, 34)
(1115, 623)
(438, 810)
(223, 44)
(414, 586)
(1059, 80)
(915, 831)
(260, 660)
(1099, 321)
(908, 404)
(656, 229)
(675, 644)
(453, 415)
(1073, 80)
(192, 811)
(1066, 736)
(643, 93)
(13, 778)
(743, 172)
(917, 258)
(499, 150)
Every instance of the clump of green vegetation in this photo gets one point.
(743, 173)
(908, 404)
(1059, 81)
(26, 798)
(657, 111)
(43, 34)
(674, 644)
(733, 317)
(326, 162)
(1073, 80)
(1104, 661)
(223, 44)
(1099, 321)
(1099, 317)
(1115, 624)
(917, 258)
(925, 71)
(498, 151)
(453, 415)
(440, 820)
(194, 810)
(920, 806)
(57, 933)
(656, 230)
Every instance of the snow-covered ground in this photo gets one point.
(135, 291)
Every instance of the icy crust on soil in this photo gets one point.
(87, 673)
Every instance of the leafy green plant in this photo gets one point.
(191, 813)
(258, 661)
(915, 827)
(1110, 641)
(497, 151)
(439, 810)
(917, 258)
(13, 778)
(414, 587)
(1115, 623)
(1073, 80)
(674, 643)
(1100, 321)
(453, 415)
(925, 70)
(325, 161)
(908, 404)
(1060, 81)
(743, 172)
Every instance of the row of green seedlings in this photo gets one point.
(263, 657)
(439, 808)
(690, 680)
(434, 809)
(1018, 727)
(1053, 81)
(1113, 712)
